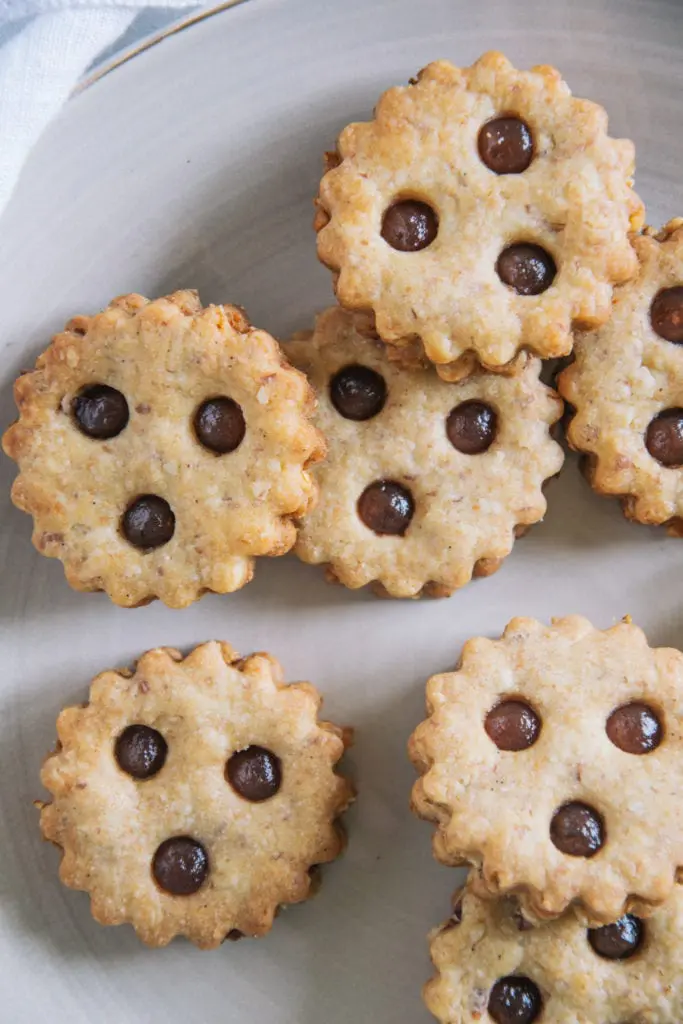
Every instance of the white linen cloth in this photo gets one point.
(45, 48)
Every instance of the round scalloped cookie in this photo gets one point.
(626, 388)
(161, 447)
(426, 214)
(489, 966)
(195, 795)
(550, 761)
(426, 482)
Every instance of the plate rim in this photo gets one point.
(147, 42)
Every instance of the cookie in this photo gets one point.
(551, 761)
(626, 388)
(489, 966)
(484, 210)
(426, 482)
(194, 795)
(161, 447)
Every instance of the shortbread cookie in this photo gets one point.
(551, 761)
(162, 446)
(626, 386)
(490, 966)
(194, 796)
(482, 211)
(426, 482)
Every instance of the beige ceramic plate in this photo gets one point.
(194, 165)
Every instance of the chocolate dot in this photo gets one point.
(180, 866)
(386, 508)
(471, 427)
(254, 773)
(141, 751)
(664, 437)
(577, 830)
(148, 522)
(219, 425)
(409, 225)
(358, 393)
(634, 728)
(666, 314)
(514, 1000)
(513, 725)
(100, 412)
(618, 941)
(527, 269)
(506, 145)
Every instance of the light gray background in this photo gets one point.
(195, 165)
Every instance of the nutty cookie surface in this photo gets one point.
(425, 482)
(193, 796)
(626, 386)
(483, 210)
(491, 967)
(550, 762)
(161, 446)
